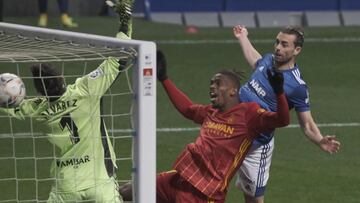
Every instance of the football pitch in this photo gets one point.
(300, 171)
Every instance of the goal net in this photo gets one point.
(129, 109)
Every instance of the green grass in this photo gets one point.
(300, 172)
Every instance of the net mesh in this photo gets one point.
(25, 153)
(17, 48)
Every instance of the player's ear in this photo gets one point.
(233, 92)
(297, 50)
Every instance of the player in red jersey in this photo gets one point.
(204, 169)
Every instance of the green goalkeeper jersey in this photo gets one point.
(73, 123)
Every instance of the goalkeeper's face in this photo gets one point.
(52, 87)
(48, 81)
(223, 92)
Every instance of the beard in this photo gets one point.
(281, 60)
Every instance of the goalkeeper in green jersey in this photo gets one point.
(85, 168)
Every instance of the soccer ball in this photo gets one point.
(12, 90)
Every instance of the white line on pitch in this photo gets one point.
(26, 135)
(289, 126)
(264, 41)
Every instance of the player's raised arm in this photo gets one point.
(276, 80)
(181, 102)
(26, 108)
(99, 80)
(281, 118)
(250, 53)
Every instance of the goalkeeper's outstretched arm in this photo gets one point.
(124, 9)
(26, 109)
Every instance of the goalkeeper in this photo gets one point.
(85, 168)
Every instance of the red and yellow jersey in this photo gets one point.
(224, 140)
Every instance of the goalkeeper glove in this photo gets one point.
(122, 63)
(124, 9)
(276, 80)
(161, 66)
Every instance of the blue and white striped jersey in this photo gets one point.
(259, 90)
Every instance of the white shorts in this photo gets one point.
(253, 173)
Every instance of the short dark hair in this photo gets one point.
(298, 32)
(234, 75)
(48, 81)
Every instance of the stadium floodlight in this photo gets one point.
(77, 54)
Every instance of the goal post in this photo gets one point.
(95, 47)
(145, 125)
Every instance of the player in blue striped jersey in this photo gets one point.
(254, 173)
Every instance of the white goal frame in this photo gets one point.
(144, 98)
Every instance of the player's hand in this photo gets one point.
(122, 64)
(276, 80)
(161, 66)
(240, 31)
(329, 144)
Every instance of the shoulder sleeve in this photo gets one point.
(300, 99)
(265, 61)
(99, 80)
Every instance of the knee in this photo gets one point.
(126, 191)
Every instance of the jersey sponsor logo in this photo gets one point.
(261, 68)
(96, 73)
(75, 162)
(219, 129)
(259, 90)
(59, 107)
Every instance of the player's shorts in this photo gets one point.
(171, 187)
(253, 174)
(107, 193)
